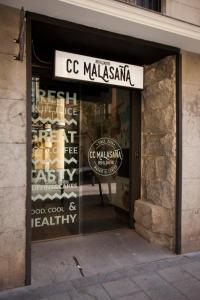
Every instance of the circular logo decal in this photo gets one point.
(105, 156)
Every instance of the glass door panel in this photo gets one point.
(80, 158)
(55, 159)
(105, 129)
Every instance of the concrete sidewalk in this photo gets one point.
(174, 278)
(116, 264)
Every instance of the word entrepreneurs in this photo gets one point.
(52, 221)
(101, 69)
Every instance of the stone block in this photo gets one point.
(12, 241)
(143, 189)
(193, 3)
(159, 144)
(153, 192)
(162, 70)
(143, 213)
(191, 99)
(190, 194)
(191, 163)
(12, 121)
(161, 193)
(148, 169)
(191, 225)
(12, 78)
(190, 68)
(166, 168)
(159, 168)
(160, 95)
(12, 259)
(13, 165)
(188, 12)
(190, 246)
(155, 238)
(11, 274)
(9, 24)
(154, 218)
(12, 209)
(162, 221)
(191, 131)
(159, 121)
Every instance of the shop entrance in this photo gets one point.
(81, 158)
(72, 121)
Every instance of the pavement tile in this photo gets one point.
(157, 288)
(135, 296)
(194, 269)
(189, 287)
(174, 274)
(155, 266)
(92, 292)
(121, 287)
(104, 277)
(150, 281)
(178, 260)
(15, 296)
(57, 297)
(165, 293)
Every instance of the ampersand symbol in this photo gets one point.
(72, 206)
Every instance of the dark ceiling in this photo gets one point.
(49, 34)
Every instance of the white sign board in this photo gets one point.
(86, 68)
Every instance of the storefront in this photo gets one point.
(101, 143)
(86, 126)
(82, 128)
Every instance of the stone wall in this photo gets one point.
(12, 153)
(185, 10)
(155, 211)
(191, 152)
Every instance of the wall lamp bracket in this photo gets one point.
(21, 38)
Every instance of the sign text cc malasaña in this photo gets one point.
(85, 68)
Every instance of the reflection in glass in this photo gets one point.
(68, 196)
(105, 113)
(55, 151)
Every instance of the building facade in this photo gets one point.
(52, 128)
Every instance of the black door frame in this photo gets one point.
(135, 162)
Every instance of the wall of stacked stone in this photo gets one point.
(12, 153)
(191, 152)
(155, 211)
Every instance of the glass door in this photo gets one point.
(80, 158)
(104, 158)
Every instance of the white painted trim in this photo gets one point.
(120, 18)
(138, 15)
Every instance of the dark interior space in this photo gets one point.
(48, 35)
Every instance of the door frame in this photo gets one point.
(136, 106)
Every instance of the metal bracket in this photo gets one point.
(21, 38)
